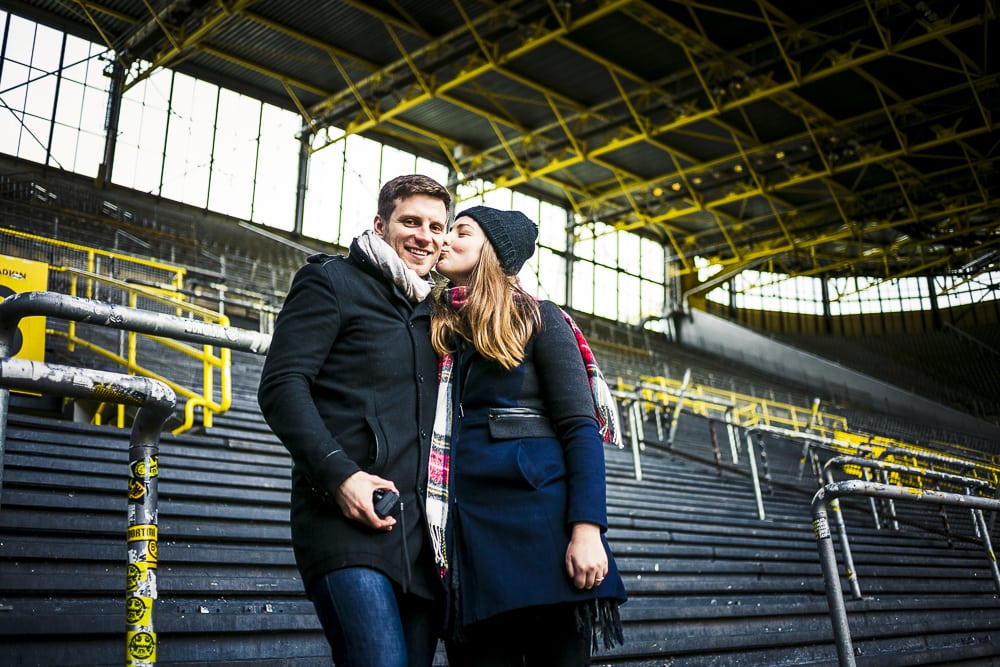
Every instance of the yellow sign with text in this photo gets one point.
(23, 275)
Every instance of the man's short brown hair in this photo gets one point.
(408, 185)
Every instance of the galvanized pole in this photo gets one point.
(156, 402)
(828, 559)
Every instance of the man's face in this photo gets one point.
(415, 231)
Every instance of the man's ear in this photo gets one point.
(379, 226)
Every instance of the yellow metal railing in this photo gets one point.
(744, 410)
(748, 411)
(138, 283)
(211, 363)
(99, 262)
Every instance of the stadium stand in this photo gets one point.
(710, 582)
(814, 139)
(712, 579)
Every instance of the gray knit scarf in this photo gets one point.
(381, 254)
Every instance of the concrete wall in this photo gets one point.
(725, 339)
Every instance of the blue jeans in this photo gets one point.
(369, 621)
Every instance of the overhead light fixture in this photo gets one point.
(978, 263)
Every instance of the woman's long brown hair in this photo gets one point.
(498, 318)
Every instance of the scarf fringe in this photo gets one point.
(600, 617)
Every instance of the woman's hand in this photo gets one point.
(586, 560)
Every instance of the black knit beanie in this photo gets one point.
(511, 233)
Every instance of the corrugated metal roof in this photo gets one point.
(815, 102)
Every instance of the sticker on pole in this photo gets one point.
(820, 527)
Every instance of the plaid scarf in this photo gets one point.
(604, 403)
(440, 463)
(440, 456)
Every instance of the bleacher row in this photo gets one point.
(710, 582)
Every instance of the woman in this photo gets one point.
(519, 531)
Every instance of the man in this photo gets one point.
(349, 386)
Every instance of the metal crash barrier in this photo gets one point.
(958, 480)
(78, 309)
(828, 558)
(155, 401)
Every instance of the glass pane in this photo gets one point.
(605, 245)
(41, 95)
(652, 299)
(435, 170)
(235, 155)
(551, 276)
(361, 187)
(396, 163)
(20, 40)
(323, 208)
(628, 299)
(583, 287)
(652, 258)
(13, 81)
(552, 226)
(277, 168)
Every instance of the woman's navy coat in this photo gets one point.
(349, 384)
(519, 482)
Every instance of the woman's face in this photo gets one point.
(462, 248)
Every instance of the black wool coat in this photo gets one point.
(349, 384)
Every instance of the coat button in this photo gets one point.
(423, 435)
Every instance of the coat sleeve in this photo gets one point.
(305, 329)
(565, 390)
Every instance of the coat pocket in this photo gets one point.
(378, 451)
(519, 422)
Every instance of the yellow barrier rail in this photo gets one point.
(138, 283)
(211, 362)
(748, 411)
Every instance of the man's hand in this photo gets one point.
(354, 497)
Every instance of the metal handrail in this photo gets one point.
(828, 558)
(156, 402)
(88, 270)
(208, 359)
(845, 547)
(26, 304)
(840, 447)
